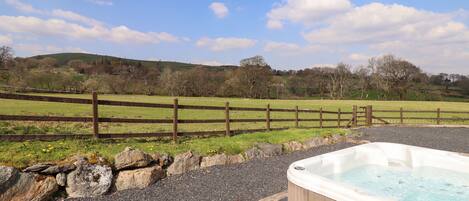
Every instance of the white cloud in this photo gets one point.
(63, 14)
(35, 49)
(378, 22)
(288, 49)
(219, 9)
(102, 2)
(72, 16)
(5, 40)
(280, 46)
(211, 63)
(221, 44)
(24, 7)
(274, 24)
(305, 11)
(433, 40)
(57, 27)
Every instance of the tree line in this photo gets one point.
(386, 77)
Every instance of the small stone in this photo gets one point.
(293, 146)
(163, 160)
(183, 163)
(252, 153)
(269, 150)
(337, 138)
(52, 170)
(138, 178)
(132, 158)
(234, 159)
(314, 142)
(61, 179)
(219, 159)
(37, 167)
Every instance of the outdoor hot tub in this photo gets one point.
(381, 171)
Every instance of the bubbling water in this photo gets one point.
(406, 184)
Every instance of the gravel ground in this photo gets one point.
(252, 180)
(260, 178)
(449, 139)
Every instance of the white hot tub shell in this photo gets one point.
(307, 181)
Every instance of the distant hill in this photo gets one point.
(64, 58)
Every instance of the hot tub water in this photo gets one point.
(407, 184)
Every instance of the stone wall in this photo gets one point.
(132, 168)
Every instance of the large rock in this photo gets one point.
(8, 175)
(16, 186)
(252, 153)
(219, 159)
(132, 158)
(268, 150)
(315, 142)
(184, 162)
(262, 150)
(139, 178)
(88, 180)
(234, 159)
(293, 146)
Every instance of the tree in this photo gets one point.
(250, 81)
(6, 56)
(253, 61)
(363, 80)
(394, 75)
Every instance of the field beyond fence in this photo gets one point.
(211, 120)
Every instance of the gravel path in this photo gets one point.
(449, 139)
(260, 178)
(252, 180)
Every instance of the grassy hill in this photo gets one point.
(64, 58)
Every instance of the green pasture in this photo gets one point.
(65, 109)
(21, 154)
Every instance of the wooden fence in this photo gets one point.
(358, 116)
(353, 120)
(402, 116)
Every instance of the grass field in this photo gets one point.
(65, 109)
(21, 154)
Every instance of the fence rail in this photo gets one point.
(175, 120)
(359, 116)
(431, 116)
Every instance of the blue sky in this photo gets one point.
(290, 34)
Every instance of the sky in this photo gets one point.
(290, 34)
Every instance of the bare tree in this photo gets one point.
(363, 80)
(394, 75)
(6, 56)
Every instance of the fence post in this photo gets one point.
(95, 115)
(227, 118)
(320, 117)
(267, 119)
(338, 118)
(354, 116)
(175, 120)
(297, 124)
(401, 113)
(438, 113)
(369, 115)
